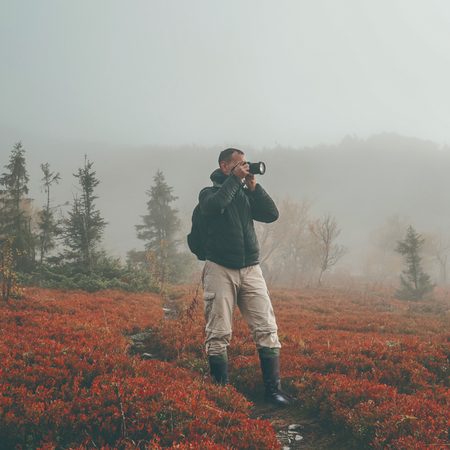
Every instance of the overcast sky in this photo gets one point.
(247, 72)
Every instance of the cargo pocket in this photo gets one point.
(208, 300)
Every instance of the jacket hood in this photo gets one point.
(218, 176)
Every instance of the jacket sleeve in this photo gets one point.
(214, 201)
(263, 207)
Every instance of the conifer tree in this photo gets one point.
(48, 226)
(84, 226)
(14, 222)
(415, 283)
(159, 229)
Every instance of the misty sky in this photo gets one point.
(213, 72)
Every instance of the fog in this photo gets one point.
(349, 106)
(216, 73)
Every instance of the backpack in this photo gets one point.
(196, 238)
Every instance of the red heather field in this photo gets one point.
(361, 363)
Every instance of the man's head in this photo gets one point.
(229, 158)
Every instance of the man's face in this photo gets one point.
(227, 166)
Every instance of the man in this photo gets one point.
(232, 275)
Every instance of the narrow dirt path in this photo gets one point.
(295, 430)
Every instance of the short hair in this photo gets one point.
(225, 155)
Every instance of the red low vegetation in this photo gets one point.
(375, 367)
(67, 380)
(370, 365)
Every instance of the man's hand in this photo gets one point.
(241, 170)
(250, 181)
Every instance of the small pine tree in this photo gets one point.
(415, 283)
(14, 222)
(84, 226)
(48, 226)
(159, 230)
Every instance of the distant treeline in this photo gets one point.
(349, 203)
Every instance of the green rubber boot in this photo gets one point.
(218, 368)
(270, 367)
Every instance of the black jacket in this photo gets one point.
(229, 210)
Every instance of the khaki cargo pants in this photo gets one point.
(225, 288)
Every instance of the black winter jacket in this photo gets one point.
(229, 210)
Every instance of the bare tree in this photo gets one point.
(325, 232)
(382, 262)
(282, 242)
(437, 247)
(272, 237)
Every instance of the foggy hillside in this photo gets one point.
(361, 182)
